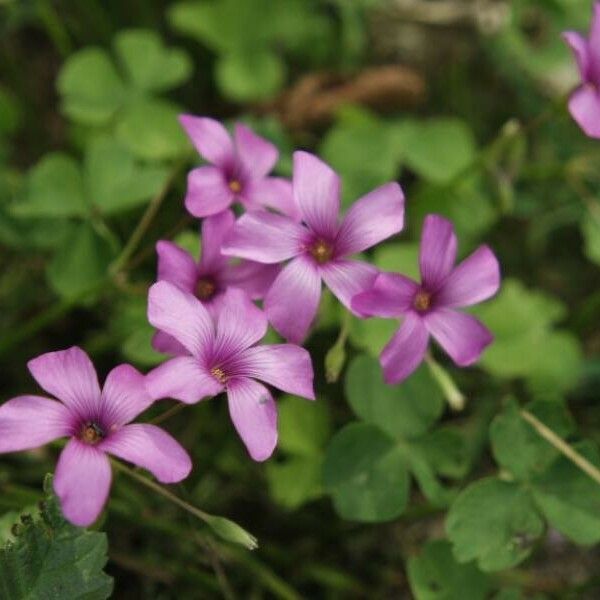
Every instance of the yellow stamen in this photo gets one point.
(422, 301)
(91, 433)
(205, 289)
(219, 374)
(321, 251)
(235, 186)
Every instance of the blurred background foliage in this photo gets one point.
(375, 491)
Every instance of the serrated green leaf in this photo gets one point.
(569, 498)
(51, 559)
(402, 411)
(520, 449)
(148, 63)
(366, 474)
(435, 575)
(495, 523)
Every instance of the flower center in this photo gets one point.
(235, 186)
(321, 251)
(422, 301)
(219, 375)
(91, 433)
(205, 288)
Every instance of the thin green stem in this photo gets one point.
(336, 355)
(453, 395)
(580, 461)
(174, 410)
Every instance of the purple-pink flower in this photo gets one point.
(238, 170)
(209, 279)
(428, 308)
(97, 423)
(222, 356)
(318, 246)
(584, 104)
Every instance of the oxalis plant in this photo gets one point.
(236, 314)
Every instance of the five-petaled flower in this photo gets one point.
(97, 423)
(584, 104)
(318, 246)
(222, 355)
(238, 170)
(209, 278)
(429, 307)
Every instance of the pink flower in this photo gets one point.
(584, 104)
(429, 307)
(222, 357)
(319, 247)
(97, 423)
(238, 170)
(209, 278)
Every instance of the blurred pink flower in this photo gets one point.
(429, 307)
(97, 423)
(211, 276)
(238, 170)
(319, 246)
(584, 104)
(222, 356)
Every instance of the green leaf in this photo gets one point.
(295, 481)
(439, 149)
(518, 447)
(304, 426)
(402, 411)
(445, 450)
(81, 263)
(10, 112)
(148, 63)
(366, 474)
(435, 575)
(372, 334)
(590, 229)
(202, 21)
(90, 87)
(52, 559)
(398, 258)
(115, 181)
(495, 523)
(54, 188)
(569, 498)
(246, 76)
(150, 129)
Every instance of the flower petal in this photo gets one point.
(207, 192)
(254, 415)
(580, 47)
(68, 375)
(462, 336)
(346, 278)
(257, 155)
(214, 230)
(182, 378)
(286, 366)
(475, 279)
(151, 448)
(124, 396)
(405, 351)
(291, 303)
(181, 315)
(272, 192)
(438, 250)
(176, 266)
(317, 193)
(239, 325)
(82, 482)
(31, 421)
(265, 237)
(372, 219)
(167, 344)
(584, 106)
(210, 138)
(252, 277)
(391, 296)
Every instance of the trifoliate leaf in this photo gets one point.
(295, 481)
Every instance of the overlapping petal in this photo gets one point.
(390, 296)
(182, 378)
(584, 106)
(347, 278)
(176, 265)
(28, 422)
(254, 415)
(438, 251)
(210, 138)
(405, 351)
(580, 47)
(82, 482)
(214, 231)
(208, 192)
(252, 277)
(70, 376)
(256, 155)
(371, 219)
(291, 303)
(272, 192)
(151, 448)
(462, 336)
(167, 344)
